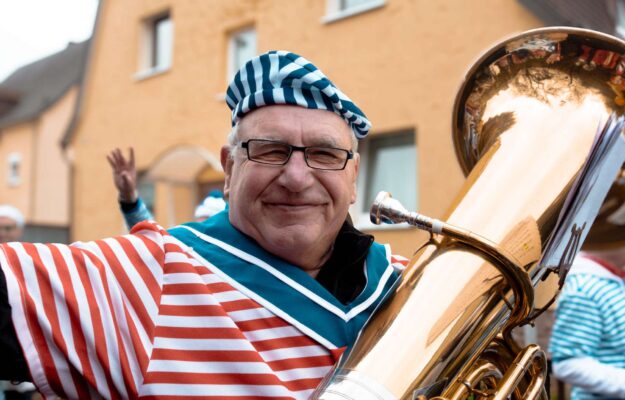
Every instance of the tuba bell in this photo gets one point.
(537, 127)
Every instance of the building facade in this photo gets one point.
(158, 72)
(37, 104)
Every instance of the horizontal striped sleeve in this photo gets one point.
(85, 313)
(214, 342)
(578, 327)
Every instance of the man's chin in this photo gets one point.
(291, 237)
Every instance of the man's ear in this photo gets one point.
(355, 177)
(226, 164)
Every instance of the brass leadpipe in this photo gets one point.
(385, 209)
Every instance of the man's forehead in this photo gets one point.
(278, 121)
(6, 221)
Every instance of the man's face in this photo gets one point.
(290, 210)
(9, 231)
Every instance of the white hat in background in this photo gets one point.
(12, 213)
(212, 204)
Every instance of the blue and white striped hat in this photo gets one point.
(280, 77)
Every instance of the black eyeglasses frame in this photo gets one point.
(292, 148)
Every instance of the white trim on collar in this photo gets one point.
(303, 290)
(255, 296)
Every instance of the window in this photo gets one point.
(339, 9)
(388, 162)
(14, 162)
(157, 49)
(241, 47)
(620, 19)
(162, 41)
(347, 4)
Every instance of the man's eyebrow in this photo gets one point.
(322, 140)
(325, 141)
(268, 137)
(328, 142)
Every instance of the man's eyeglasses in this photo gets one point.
(277, 153)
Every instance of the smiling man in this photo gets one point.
(291, 176)
(258, 301)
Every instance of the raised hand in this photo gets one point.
(124, 174)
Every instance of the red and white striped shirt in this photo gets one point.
(141, 316)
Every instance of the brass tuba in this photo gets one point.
(530, 126)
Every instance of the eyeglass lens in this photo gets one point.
(277, 153)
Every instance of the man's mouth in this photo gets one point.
(292, 206)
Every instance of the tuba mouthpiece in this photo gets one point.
(387, 210)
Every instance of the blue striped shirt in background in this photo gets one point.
(590, 320)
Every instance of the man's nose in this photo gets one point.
(296, 175)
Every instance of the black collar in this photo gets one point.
(343, 274)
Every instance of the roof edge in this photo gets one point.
(71, 127)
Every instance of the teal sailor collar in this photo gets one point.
(287, 290)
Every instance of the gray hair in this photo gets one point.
(233, 140)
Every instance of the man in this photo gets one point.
(132, 206)
(11, 224)
(588, 340)
(258, 301)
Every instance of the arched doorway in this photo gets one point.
(181, 177)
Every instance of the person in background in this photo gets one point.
(124, 171)
(258, 301)
(11, 229)
(588, 339)
(133, 208)
(212, 204)
(11, 224)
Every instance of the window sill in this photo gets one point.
(148, 73)
(339, 15)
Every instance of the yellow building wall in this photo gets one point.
(18, 139)
(43, 193)
(401, 63)
(168, 195)
(51, 169)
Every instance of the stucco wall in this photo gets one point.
(18, 139)
(51, 188)
(401, 63)
(43, 193)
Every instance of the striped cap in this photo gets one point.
(280, 77)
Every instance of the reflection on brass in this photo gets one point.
(530, 359)
(492, 128)
(524, 121)
(523, 242)
(389, 210)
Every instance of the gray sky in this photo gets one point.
(33, 29)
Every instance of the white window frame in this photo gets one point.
(334, 12)
(359, 213)
(233, 68)
(148, 47)
(14, 163)
(620, 19)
